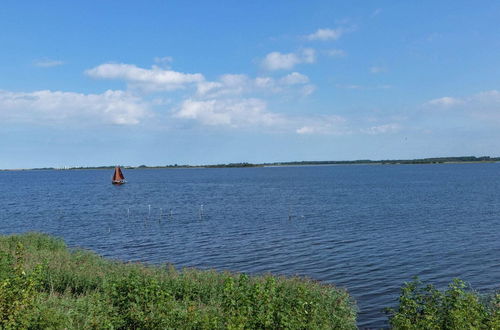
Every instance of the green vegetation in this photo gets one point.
(45, 285)
(459, 307)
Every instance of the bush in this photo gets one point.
(459, 307)
(46, 285)
(18, 290)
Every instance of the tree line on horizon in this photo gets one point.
(434, 160)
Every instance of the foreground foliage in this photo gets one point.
(44, 285)
(459, 307)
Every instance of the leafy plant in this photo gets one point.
(44, 285)
(18, 290)
(459, 307)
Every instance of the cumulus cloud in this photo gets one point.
(226, 85)
(208, 87)
(300, 81)
(295, 78)
(229, 112)
(251, 112)
(154, 79)
(47, 63)
(278, 61)
(265, 82)
(45, 106)
(230, 85)
(326, 34)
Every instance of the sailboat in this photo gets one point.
(118, 177)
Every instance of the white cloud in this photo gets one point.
(45, 106)
(230, 85)
(229, 112)
(295, 78)
(226, 85)
(326, 34)
(251, 112)
(483, 106)
(155, 79)
(483, 100)
(206, 87)
(47, 63)
(323, 125)
(264, 82)
(236, 82)
(278, 61)
(445, 102)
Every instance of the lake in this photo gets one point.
(368, 228)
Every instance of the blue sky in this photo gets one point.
(162, 82)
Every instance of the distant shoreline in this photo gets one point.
(437, 160)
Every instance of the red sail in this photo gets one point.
(118, 176)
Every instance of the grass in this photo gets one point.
(44, 285)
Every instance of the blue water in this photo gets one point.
(366, 228)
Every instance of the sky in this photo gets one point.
(87, 83)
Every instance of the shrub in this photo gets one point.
(46, 285)
(459, 307)
(18, 290)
